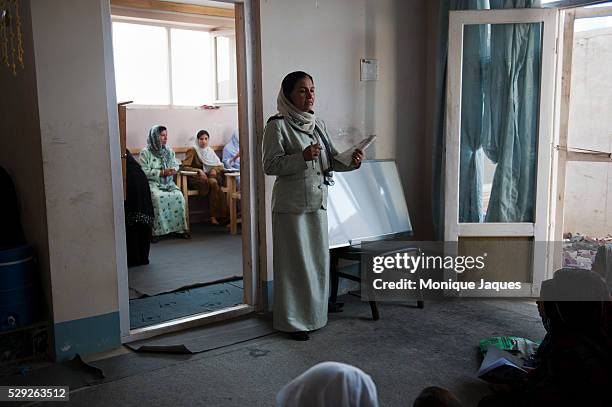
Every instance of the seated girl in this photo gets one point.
(159, 164)
(202, 159)
(231, 152)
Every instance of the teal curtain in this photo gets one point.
(512, 95)
(439, 147)
(498, 116)
(474, 121)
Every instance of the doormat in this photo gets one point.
(207, 338)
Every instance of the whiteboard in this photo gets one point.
(366, 203)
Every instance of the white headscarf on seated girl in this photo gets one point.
(329, 384)
(207, 155)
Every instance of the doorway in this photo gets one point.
(584, 148)
(500, 95)
(185, 66)
(560, 208)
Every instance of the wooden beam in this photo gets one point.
(175, 7)
(589, 157)
(179, 150)
(566, 85)
(256, 87)
(243, 129)
(593, 12)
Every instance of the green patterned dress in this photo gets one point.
(168, 201)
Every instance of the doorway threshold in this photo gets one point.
(191, 321)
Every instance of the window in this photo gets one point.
(226, 67)
(168, 65)
(191, 68)
(141, 63)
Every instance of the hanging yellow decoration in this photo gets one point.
(11, 37)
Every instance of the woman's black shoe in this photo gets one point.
(299, 336)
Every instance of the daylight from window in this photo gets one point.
(141, 63)
(160, 65)
(191, 67)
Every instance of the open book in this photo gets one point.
(500, 366)
(346, 157)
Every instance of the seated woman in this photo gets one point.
(603, 264)
(231, 152)
(202, 159)
(575, 358)
(159, 164)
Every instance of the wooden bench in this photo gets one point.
(181, 178)
(181, 150)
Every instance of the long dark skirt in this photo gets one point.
(138, 239)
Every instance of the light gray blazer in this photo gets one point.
(298, 187)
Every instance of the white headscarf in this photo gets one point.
(207, 155)
(329, 384)
(303, 121)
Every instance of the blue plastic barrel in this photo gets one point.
(19, 296)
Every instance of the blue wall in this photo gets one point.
(87, 335)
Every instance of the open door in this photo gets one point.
(499, 127)
(583, 153)
(211, 276)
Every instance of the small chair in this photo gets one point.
(356, 253)
(183, 185)
(233, 196)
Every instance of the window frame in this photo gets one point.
(538, 229)
(564, 153)
(214, 35)
(168, 26)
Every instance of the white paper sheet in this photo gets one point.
(346, 157)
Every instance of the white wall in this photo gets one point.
(22, 157)
(588, 192)
(182, 124)
(327, 39)
(77, 125)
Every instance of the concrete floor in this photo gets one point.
(212, 255)
(405, 351)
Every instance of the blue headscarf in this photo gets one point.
(230, 150)
(156, 148)
(159, 150)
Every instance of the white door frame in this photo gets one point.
(563, 152)
(251, 237)
(539, 229)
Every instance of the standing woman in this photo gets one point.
(159, 165)
(139, 216)
(298, 150)
(202, 159)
